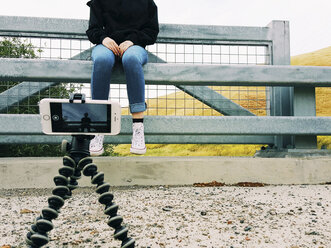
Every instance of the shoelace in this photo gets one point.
(138, 137)
(97, 142)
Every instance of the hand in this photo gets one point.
(124, 46)
(112, 45)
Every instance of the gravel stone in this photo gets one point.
(261, 211)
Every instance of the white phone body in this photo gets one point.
(60, 117)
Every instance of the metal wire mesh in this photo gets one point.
(210, 54)
(161, 99)
(172, 101)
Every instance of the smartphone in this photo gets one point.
(60, 117)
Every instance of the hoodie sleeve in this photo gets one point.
(147, 35)
(95, 31)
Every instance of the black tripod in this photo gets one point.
(78, 161)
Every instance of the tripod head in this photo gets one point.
(79, 146)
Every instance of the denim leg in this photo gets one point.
(133, 59)
(103, 62)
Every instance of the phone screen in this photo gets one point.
(80, 118)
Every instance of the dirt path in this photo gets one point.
(271, 216)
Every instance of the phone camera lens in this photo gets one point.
(55, 117)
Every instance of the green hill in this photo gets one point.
(323, 102)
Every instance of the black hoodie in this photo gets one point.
(121, 20)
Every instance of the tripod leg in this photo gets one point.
(106, 198)
(37, 235)
(65, 183)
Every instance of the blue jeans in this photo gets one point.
(133, 59)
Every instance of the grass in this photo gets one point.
(191, 150)
(323, 102)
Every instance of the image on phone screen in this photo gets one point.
(80, 118)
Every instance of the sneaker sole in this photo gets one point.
(97, 153)
(138, 151)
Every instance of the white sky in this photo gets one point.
(310, 20)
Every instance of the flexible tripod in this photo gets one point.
(78, 161)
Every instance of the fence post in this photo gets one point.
(281, 98)
(305, 105)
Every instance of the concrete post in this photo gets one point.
(305, 105)
(281, 98)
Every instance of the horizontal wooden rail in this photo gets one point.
(170, 74)
(150, 139)
(75, 28)
(22, 124)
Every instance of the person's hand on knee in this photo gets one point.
(124, 46)
(112, 45)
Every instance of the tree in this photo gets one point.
(16, 48)
(20, 48)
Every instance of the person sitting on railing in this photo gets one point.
(121, 29)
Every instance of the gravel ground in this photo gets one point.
(160, 216)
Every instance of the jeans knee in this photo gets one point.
(130, 59)
(103, 60)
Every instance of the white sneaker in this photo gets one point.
(96, 146)
(138, 139)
